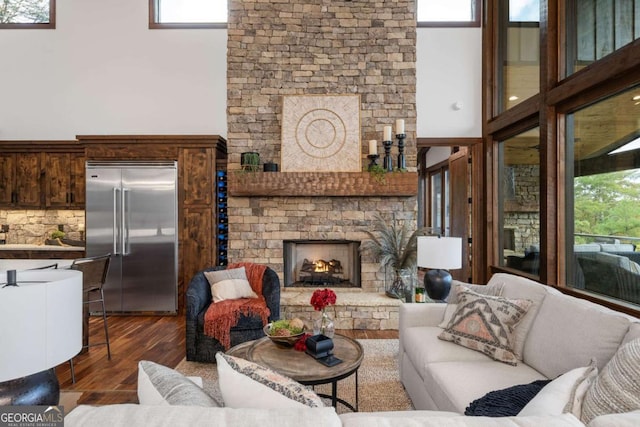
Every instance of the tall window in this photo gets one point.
(519, 52)
(28, 14)
(188, 13)
(603, 230)
(597, 28)
(519, 201)
(439, 204)
(448, 13)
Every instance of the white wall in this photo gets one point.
(437, 155)
(102, 71)
(449, 71)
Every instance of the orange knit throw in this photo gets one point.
(222, 316)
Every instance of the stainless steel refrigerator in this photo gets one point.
(131, 212)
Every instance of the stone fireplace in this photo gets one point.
(321, 263)
(317, 47)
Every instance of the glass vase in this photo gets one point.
(408, 276)
(324, 325)
(394, 286)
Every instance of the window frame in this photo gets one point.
(475, 23)
(51, 25)
(154, 12)
(557, 96)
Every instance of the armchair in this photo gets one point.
(203, 348)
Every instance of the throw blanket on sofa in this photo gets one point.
(507, 402)
(224, 315)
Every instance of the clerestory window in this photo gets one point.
(448, 13)
(28, 14)
(164, 14)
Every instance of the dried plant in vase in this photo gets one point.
(395, 247)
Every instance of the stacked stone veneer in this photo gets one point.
(33, 227)
(522, 213)
(353, 310)
(278, 48)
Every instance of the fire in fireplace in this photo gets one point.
(317, 263)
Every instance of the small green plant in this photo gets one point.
(57, 234)
(378, 174)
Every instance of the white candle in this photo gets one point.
(399, 126)
(373, 146)
(387, 133)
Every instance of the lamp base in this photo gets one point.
(437, 283)
(41, 388)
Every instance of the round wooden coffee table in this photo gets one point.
(305, 369)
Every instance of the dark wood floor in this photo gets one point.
(133, 338)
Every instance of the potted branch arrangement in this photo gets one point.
(395, 247)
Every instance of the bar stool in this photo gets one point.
(94, 275)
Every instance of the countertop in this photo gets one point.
(24, 247)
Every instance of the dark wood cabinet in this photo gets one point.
(20, 184)
(28, 184)
(7, 174)
(41, 174)
(78, 184)
(57, 180)
(198, 241)
(64, 180)
(196, 164)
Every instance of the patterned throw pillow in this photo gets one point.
(493, 289)
(245, 384)
(617, 388)
(485, 323)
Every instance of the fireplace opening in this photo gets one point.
(321, 263)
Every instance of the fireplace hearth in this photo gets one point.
(321, 263)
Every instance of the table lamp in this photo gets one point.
(440, 254)
(40, 328)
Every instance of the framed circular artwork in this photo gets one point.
(321, 133)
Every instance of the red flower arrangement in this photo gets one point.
(321, 298)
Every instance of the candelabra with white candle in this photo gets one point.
(373, 154)
(402, 164)
(386, 143)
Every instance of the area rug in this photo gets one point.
(379, 386)
(69, 400)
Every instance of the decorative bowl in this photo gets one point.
(282, 341)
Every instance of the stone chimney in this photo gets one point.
(316, 47)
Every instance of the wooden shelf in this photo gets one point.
(332, 184)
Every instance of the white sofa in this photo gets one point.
(441, 378)
(172, 416)
(558, 333)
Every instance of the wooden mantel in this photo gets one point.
(322, 184)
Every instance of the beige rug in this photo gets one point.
(379, 386)
(69, 400)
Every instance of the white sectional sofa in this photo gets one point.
(172, 416)
(558, 333)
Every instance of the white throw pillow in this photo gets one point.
(564, 394)
(232, 289)
(160, 385)
(229, 284)
(245, 384)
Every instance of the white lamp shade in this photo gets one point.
(440, 252)
(40, 321)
